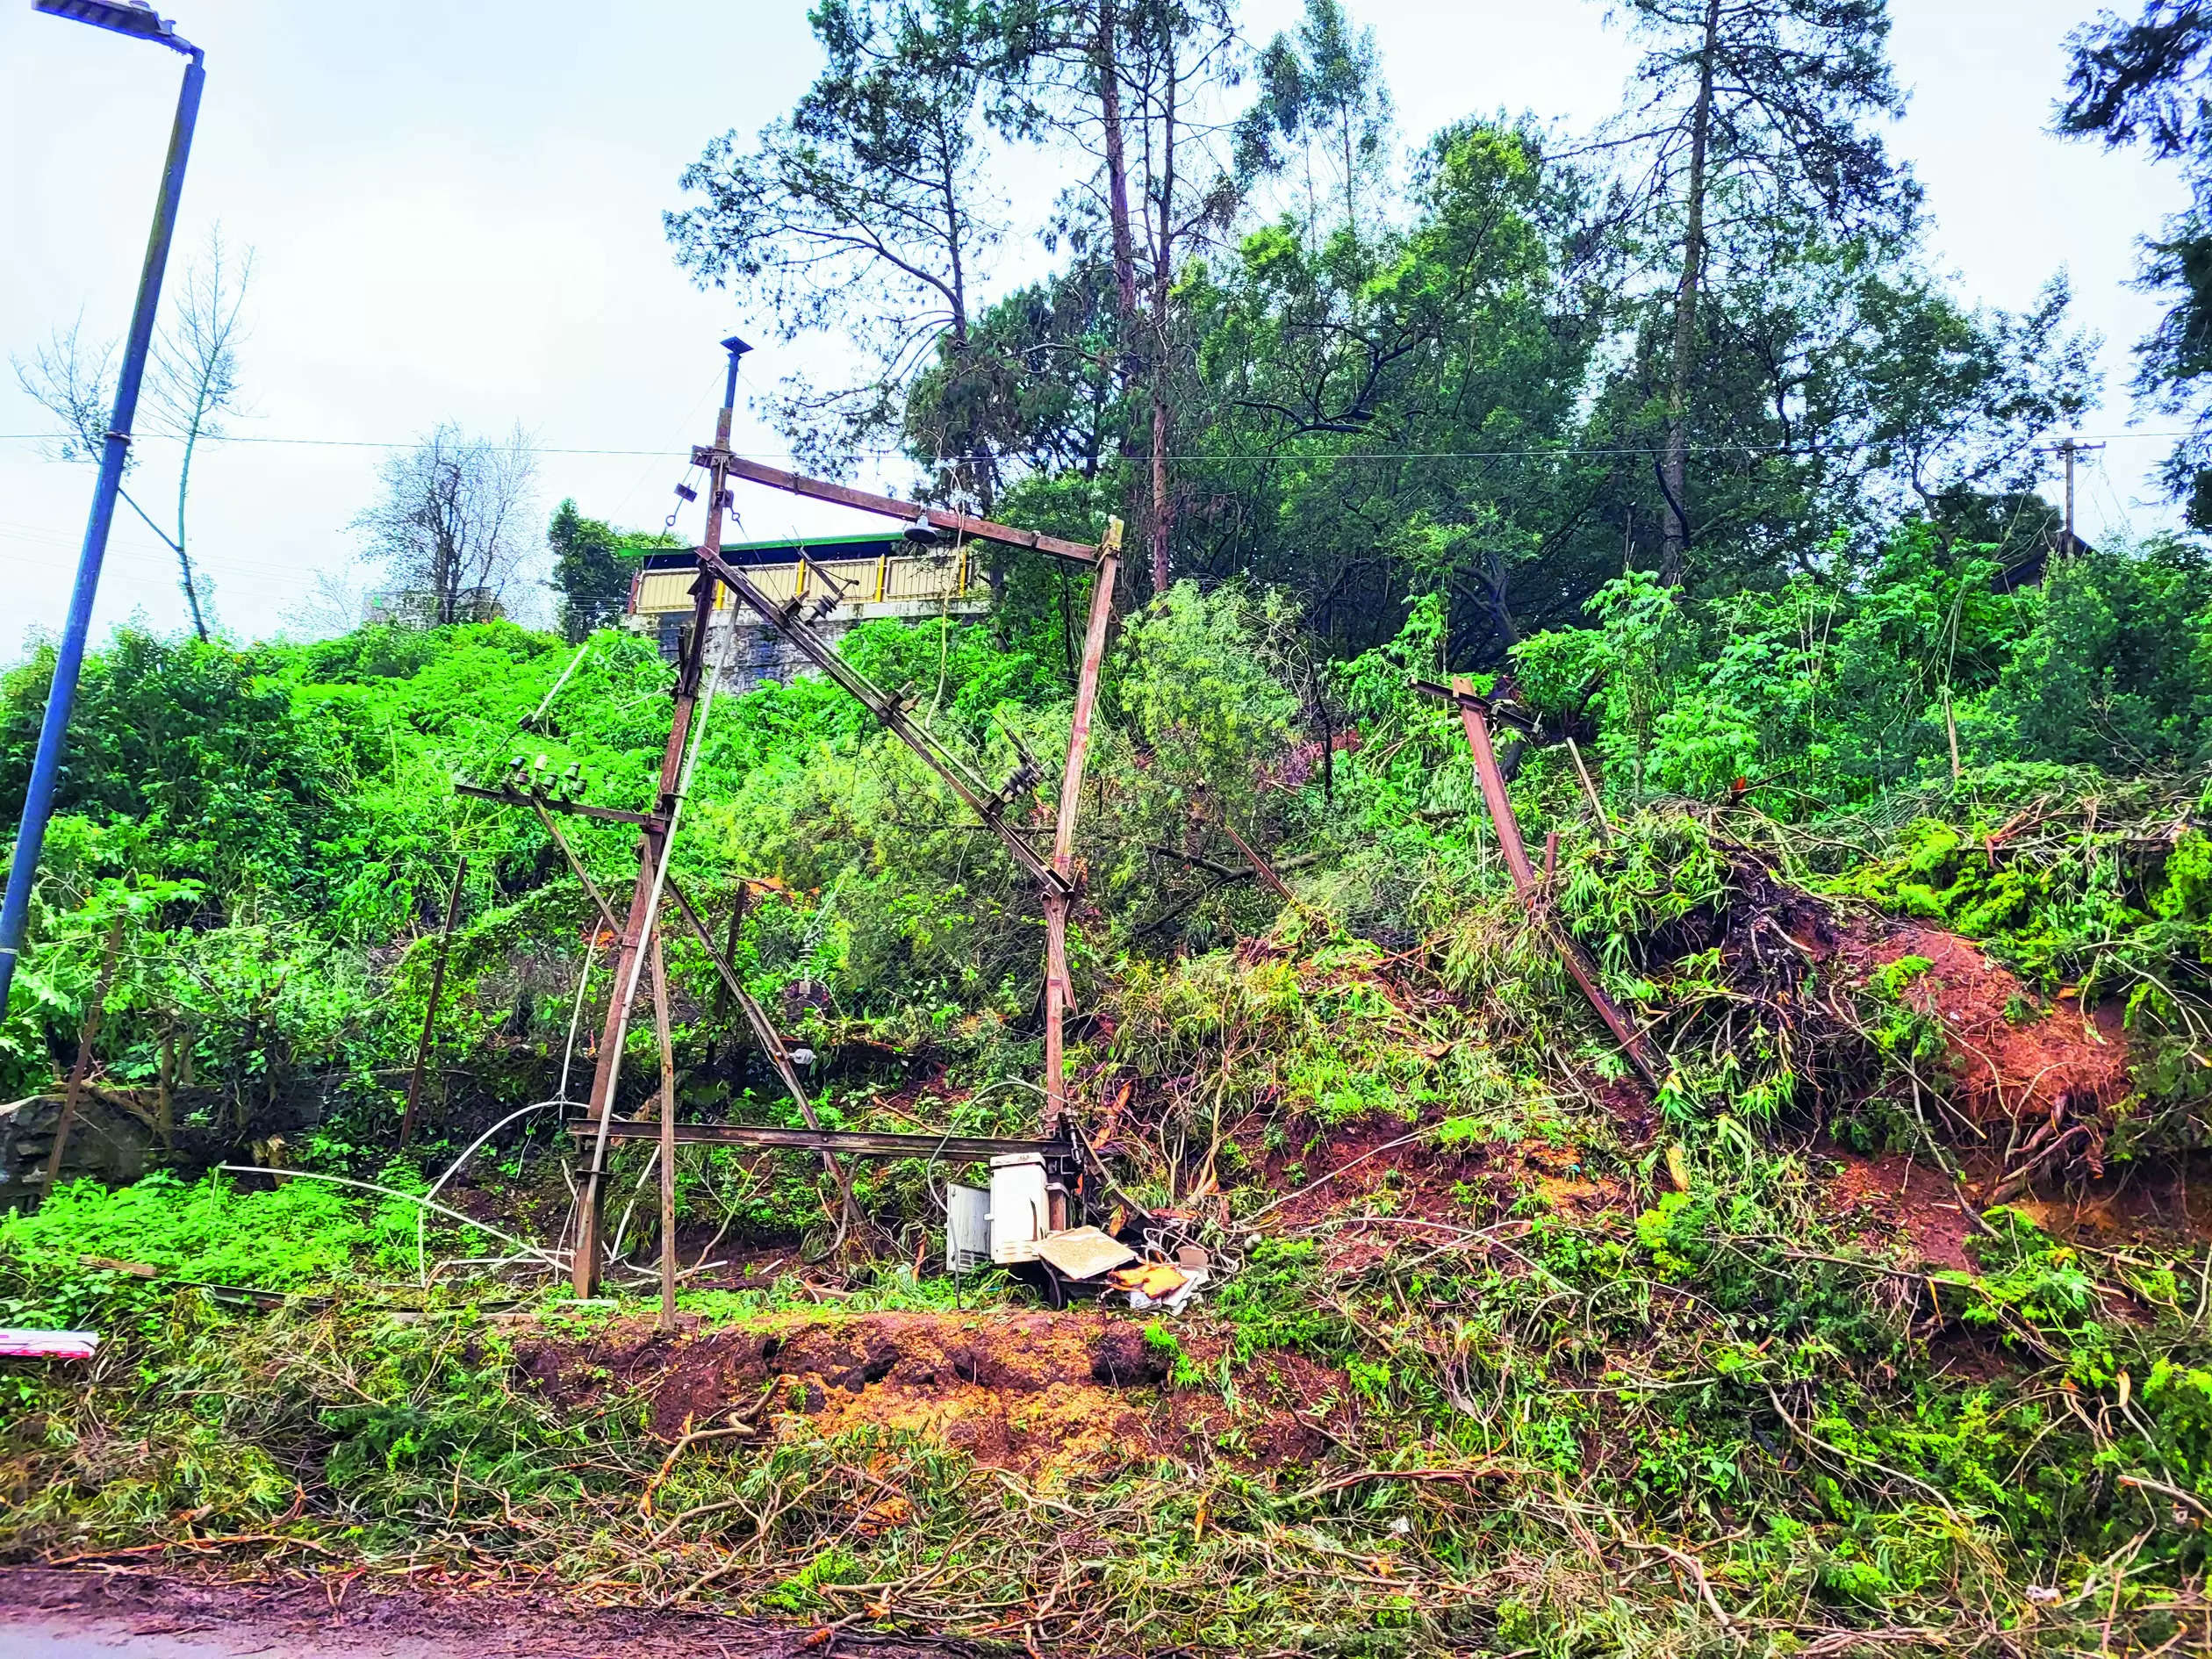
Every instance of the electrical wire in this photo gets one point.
(1535, 452)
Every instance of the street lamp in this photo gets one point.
(137, 18)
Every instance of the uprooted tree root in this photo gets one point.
(1849, 1009)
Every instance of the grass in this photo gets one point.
(1570, 1434)
(1716, 1414)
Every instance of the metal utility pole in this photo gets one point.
(653, 849)
(140, 21)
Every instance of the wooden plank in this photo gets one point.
(892, 507)
(858, 1142)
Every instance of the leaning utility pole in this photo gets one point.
(68, 661)
(629, 956)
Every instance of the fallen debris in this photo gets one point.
(1083, 1253)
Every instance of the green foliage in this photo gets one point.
(593, 565)
(1275, 1303)
(2117, 671)
(300, 1235)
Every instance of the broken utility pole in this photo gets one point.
(652, 850)
(1059, 995)
(1475, 712)
(1054, 872)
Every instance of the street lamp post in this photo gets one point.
(137, 18)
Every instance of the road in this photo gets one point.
(135, 1615)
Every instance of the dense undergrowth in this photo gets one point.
(1598, 1367)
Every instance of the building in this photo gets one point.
(866, 577)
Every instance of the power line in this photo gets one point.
(1291, 454)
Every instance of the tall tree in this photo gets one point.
(1393, 415)
(191, 385)
(2150, 83)
(447, 526)
(593, 565)
(1321, 90)
(863, 212)
(1139, 86)
(1754, 119)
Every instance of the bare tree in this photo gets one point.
(333, 605)
(191, 383)
(454, 522)
(195, 382)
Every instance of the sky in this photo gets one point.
(454, 215)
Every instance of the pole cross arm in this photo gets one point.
(860, 1143)
(515, 798)
(1504, 713)
(892, 507)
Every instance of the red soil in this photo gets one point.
(2061, 1063)
(1043, 1395)
(1894, 1199)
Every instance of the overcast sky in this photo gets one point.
(455, 210)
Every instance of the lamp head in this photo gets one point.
(124, 17)
(922, 532)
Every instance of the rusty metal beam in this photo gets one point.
(892, 507)
(770, 1041)
(987, 804)
(576, 866)
(1059, 994)
(583, 1263)
(856, 1142)
(1462, 695)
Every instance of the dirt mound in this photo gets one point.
(1894, 1199)
(2013, 1061)
(2030, 1089)
(1042, 1395)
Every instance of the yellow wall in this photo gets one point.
(923, 576)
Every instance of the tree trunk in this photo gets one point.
(1124, 245)
(1674, 467)
(1162, 504)
(1162, 297)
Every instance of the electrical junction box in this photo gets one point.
(968, 1229)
